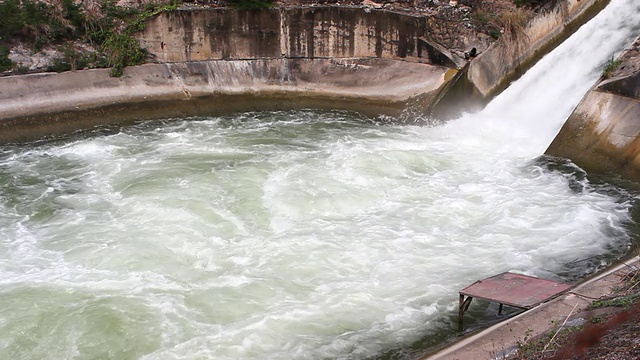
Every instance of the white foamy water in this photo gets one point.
(296, 235)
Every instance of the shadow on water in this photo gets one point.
(29, 128)
(326, 119)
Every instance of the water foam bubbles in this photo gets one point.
(293, 234)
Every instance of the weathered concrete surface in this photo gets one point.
(278, 53)
(602, 135)
(519, 48)
(492, 70)
(73, 100)
(501, 339)
(311, 32)
(347, 32)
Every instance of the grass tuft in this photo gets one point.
(611, 66)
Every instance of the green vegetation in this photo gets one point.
(610, 67)
(489, 21)
(106, 26)
(620, 301)
(5, 62)
(39, 23)
(122, 48)
(74, 60)
(250, 4)
(502, 23)
(548, 343)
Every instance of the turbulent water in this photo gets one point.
(300, 234)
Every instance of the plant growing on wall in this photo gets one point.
(5, 62)
(105, 25)
(611, 66)
(121, 47)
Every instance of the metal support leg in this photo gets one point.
(464, 305)
(460, 313)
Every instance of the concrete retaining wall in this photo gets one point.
(326, 32)
(31, 105)
(602, 134)
(514, 53)
(371, 61)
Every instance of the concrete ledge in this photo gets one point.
(32, 101)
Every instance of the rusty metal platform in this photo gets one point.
(521, 291)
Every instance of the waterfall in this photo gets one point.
(534, 108)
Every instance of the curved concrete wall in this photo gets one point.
(31, 105)
(602, 135)
(322, 32)
(603, 132)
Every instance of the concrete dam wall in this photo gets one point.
(328, 32)
(341, 57)
(38, 105)
(332, 57)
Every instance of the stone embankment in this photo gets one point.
(602, 135)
